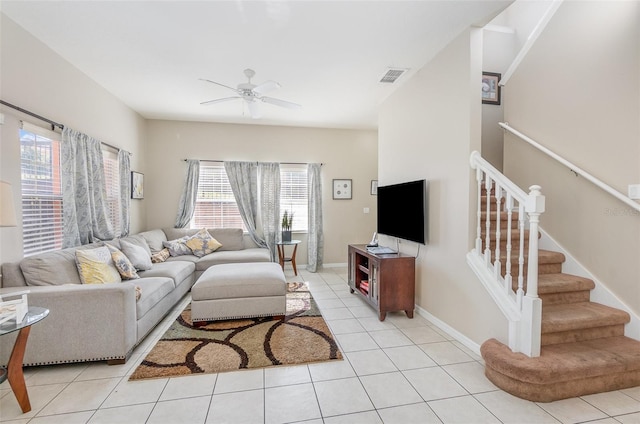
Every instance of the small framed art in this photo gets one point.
(490, 88)
(137, 185)
(374, 187)
(342, 189)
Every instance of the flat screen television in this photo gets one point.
(402, 210)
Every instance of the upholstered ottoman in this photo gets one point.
(246, 290)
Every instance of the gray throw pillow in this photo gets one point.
(138, 256)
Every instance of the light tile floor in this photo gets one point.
(397, 371)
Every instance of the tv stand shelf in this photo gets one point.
(385, 281)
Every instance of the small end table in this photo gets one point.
(280, 245)
(13, 371)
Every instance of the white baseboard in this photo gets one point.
(467, 342)
(335, 265)
(601, 293)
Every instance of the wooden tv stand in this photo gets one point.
(387, 282)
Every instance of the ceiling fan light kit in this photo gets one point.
(252, 93)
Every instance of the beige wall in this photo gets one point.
(346, 154)
(578, 93)
(427, 129)
(35, 78)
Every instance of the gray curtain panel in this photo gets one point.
(85, 216)
(316, 237)
(243, 178)
(124, 166)
(187, 205)
(269, 175)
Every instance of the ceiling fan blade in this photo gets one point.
(254, 109)
(217, 83)
(224, 99)
(282, 103)
(265, 87)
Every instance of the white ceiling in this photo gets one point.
(327, 55)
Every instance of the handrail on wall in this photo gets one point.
(599, 183)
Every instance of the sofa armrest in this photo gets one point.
(85, 323)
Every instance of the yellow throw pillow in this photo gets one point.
(123, 264)
(95, 266)
(202, 243)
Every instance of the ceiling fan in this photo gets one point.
(252, 94)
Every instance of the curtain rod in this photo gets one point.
(283, 163)
(49, 121)
(35, 115)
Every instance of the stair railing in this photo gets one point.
(500, 198)
(575, 168)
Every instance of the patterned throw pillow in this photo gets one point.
(178, 247)
(123, 264)
(161, 256)
(202, 243)
(95, 266)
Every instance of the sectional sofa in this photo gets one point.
(104, 322)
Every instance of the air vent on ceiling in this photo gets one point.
(392, 75)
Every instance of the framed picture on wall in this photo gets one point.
(342, 189)
(490, 88)
(374, 187)
(137, 185)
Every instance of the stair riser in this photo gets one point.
(542, 269)
(582, 335)
(564, 298)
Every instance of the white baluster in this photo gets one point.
(479, 212)
(497, 265)
(488, 183)
(508, 280)
(520, 291)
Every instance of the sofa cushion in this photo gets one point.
(153, 291)
(138, 240)
(96, 266)
(230, 238)
(176, 233)
(53, 268)
(202, 243)
(139, 257)
(176, 270)
(154, 239)
(123, 264)
(237, 256)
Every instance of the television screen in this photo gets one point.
(402, 210)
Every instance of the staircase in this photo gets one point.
(583, 347)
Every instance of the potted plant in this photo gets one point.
(287, 220)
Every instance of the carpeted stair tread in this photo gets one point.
(566, 361)
(544, 257)
(562, 283)
(504, 219)
(576, 316)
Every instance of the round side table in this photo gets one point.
(13, 371)
(281, 256)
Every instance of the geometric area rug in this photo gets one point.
(302, 336)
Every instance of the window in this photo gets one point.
(42, 227)
(41, 190)
(112, 185)
(293, 194)
(216, 206)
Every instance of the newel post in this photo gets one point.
(531, 304)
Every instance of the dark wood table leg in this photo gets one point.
(293, 259)
(281, 255)
(14, 370)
